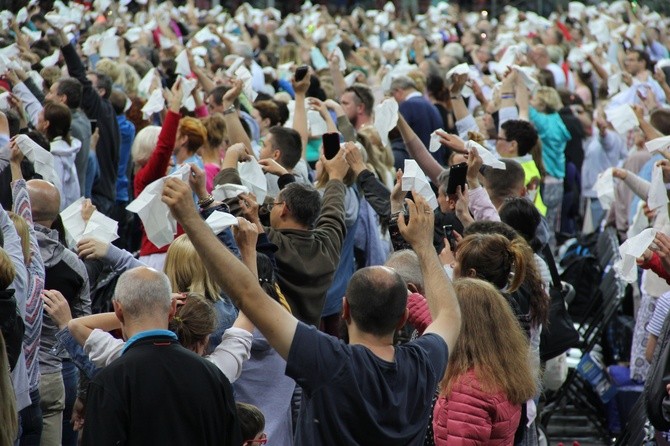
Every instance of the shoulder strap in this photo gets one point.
(551, 263)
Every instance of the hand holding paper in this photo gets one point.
(414, 178)
(622, 118)
(386, 118)
(604, 187)
(253, 178)
(219, 221)
(658, 195)
(630, 250)
(98, 225)
(487, 157)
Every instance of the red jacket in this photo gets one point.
(654, 264)
(468, 416)
(156, 168)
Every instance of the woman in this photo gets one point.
(486, 381)
(54, 122)
(214, 151)
(380, 158)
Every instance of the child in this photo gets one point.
(252, 424)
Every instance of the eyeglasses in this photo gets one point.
(262, 440)
(271, 205)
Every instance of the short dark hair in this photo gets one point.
(72, 90)
(504, 183)
(377, 298)
(643, 56)
(60, 119)
(251, 419)
(303, 201)
(660, 119)
(522, 215)
(268, 109)
(289, 144)
(523, 132)
(283, 110)
(118, 99)
(104, 81)
(363, 95)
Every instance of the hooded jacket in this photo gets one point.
(64, 164)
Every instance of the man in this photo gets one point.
(638, 64)
(281, 154)
(68, 91)
(367, 392)
(67, 274)
(309, 235)
(539, 55)
(358, 102)
(420, 114)
(96, 89)
(157, 392)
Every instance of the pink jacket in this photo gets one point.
(468, 416)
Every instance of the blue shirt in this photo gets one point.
(127, 134)
(554, 136)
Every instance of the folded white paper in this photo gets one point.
(575, 10)
(22, 15)
(223, 192)
(630, 251)
(604, 187)
(614, 83)
(205, 35)
(230, 72)
(350, 79)
(42, 160)
(458, 69)
(386, 118)
(158, 222)
(662, 143)
(622, 118)
(183, 66)
(414, 178)
(243, 74)
(528, 77)
(658, 194)
(109, 47)
(155, 104)
(219, 221)
(187, 86)
(435, 141)
(340, 57)
(253, 178)
(99, 225)
(640, 221)
(145, 84)
(488, 158)
(52, 60)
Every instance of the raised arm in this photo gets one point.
(234, 128)
(82, 327)
(300, 112)
(232, 275)
(439, 291)
(418, 151)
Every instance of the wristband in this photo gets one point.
(230, 110)
(204, 202)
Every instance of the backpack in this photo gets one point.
(582, 271)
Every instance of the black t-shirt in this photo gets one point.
(351, 396)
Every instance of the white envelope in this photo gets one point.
(435, 141)
(604, 187)
(488, 158)
(219, 221)
(155, 104)
(183, 66)
(662, 143)
(158, 222)
(205, 35)
(223, 192)
(622, 118)
(630, 251)
(253, 178)
(658, 194)
(42, 159)
(386, 118)
(414, 178)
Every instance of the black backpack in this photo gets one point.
(582, 271)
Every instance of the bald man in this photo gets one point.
(66, 273)
(157, 392)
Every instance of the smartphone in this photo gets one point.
(301, 72)
(94, 125)
(449, 235)
(331, 144)
(457, 176)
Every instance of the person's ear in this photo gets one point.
(403, 320)
(266, 122)
(346, 310)
(471, 273)
(276, 154)
(118, 310)
(173, 309)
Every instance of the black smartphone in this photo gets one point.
(301, 72)
(331, 144)
(449, 235)
(94, 125)
(457, 176)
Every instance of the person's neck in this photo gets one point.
(133, 327)
(290, 224)
(642, 76)
(181, 154)
(381, 346)
(210, 156)
(362, 121)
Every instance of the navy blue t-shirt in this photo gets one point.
(351, 396)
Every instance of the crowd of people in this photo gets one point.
(240, 227)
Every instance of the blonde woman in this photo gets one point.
(380, 157)
(487, 380)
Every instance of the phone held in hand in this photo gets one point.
(449, 235)
(457, 177)
(331, 144)
(301, 72)
(94, 125)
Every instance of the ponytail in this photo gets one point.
(536, 154)
(520, 252)
(194, 321)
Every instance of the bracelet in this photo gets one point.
(230, 110)
(507, 96)
(204, 202)
(455, 97)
